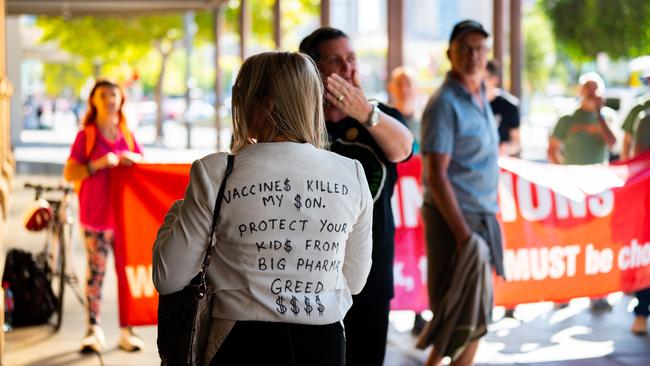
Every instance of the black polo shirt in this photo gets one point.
(349, 138)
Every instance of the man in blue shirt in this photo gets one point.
(460, 174)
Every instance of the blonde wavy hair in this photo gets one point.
(278, 95)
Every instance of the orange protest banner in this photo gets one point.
(569, 231)
(573, 231)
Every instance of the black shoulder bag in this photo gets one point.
(184, 317)
(30, 281)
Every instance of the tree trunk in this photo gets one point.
(164, 57)
(97, 70)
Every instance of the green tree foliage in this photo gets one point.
(108, 42)
(59, 79)
(261, 16)
(583, 28)
(97, 41)
(539, 48)
(102, 46)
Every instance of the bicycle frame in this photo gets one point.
(58, 244)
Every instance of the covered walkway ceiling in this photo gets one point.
(395, 23)
(68, 8)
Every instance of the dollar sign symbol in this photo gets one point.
(287, 246)
(281, 309)
(321, 308)
(296, 202)
(287, 186)
(294, 308)
(308, 307)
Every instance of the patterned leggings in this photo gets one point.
(97, 245)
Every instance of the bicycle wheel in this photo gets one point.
(71, 278)
(58, 263)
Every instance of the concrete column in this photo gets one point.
(244, 28)
(516, 46)
(3, 349)
(277, 24)
(6, 157)
(217, 23)
(6, 163)
(13, 59)
(325, 12)
(395, 17)
(497, 33)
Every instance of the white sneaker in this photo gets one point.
(129, 341)
(94, 341)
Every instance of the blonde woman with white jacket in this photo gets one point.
(293, 239)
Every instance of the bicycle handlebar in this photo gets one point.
(66, 189)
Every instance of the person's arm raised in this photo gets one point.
(605, 131)
(394, 138)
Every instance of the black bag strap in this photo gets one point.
(215, 215)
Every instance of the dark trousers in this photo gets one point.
(366, 330)
(644, 303)
(441, 248)
(286, 344)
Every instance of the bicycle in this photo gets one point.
(55, 216)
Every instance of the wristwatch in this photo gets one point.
(373, 119)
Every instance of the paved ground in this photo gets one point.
(539, 336)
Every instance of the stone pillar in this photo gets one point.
(497, 34)
(325, 12)
(6, 157)
(217, 21)
(6, 161)
(244, 28)
(13, 59)
(516, 47)
(277, 24)
(395, 35)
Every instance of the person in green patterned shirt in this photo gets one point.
(632, 122)
(584, 137)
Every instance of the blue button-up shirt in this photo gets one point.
(454, 124)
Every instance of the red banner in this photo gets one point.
(143, 195)
(569, 231)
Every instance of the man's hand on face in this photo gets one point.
(348, 97)
(593, 103)
(599, 101)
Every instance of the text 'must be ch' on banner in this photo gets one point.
(569, 231)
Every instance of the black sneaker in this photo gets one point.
(418, 324)
(600, 305)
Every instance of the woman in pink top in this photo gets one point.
(104, 142)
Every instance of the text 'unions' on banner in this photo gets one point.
(569, 231)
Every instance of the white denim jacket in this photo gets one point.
(293, 239)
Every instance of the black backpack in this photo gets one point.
(30, 282)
